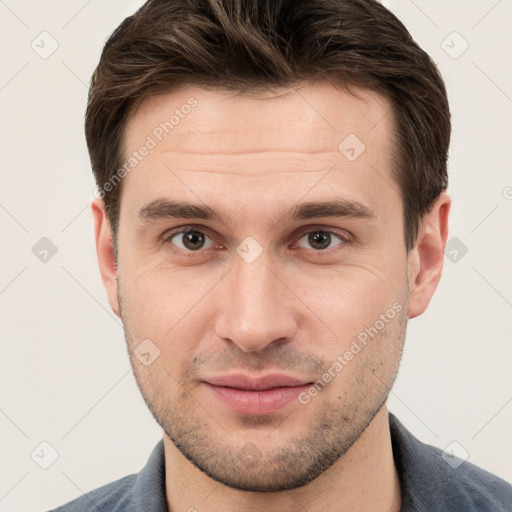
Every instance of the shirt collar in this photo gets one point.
(149, 492)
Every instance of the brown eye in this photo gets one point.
(321, 240)
(189, 240)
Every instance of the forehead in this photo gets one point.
(315, 115)
(269, 148)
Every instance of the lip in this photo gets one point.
(255, 395)
(245, 382)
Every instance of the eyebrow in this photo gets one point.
(165, 208)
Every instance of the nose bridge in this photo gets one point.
(254, 308)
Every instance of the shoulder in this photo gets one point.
(434, 480)
(113, 497)
(468, 487)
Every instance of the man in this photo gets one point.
(271, 211)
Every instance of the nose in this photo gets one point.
(255, 307)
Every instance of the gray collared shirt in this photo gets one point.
(428, 482)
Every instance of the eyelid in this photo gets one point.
(342, 233)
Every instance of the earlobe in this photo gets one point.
(105, 252)
(427, 257)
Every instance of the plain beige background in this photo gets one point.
(65, 377)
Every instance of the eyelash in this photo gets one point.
(166, 238)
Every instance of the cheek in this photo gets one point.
(167, 305)
(159, 342)
(363, 308)
(353, 297)
(370, 358)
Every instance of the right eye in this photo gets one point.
(188, 239)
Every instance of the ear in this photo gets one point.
(105, 252)
(426, 259)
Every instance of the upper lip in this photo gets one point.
(241, 381)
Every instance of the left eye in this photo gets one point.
(321, 240)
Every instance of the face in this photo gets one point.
(264, 328)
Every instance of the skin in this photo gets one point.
(293, 310)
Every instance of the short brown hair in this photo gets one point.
(253, 45)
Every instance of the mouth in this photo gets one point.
(255, 396)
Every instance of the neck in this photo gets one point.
(365, 478)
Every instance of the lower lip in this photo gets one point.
(265, 401)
